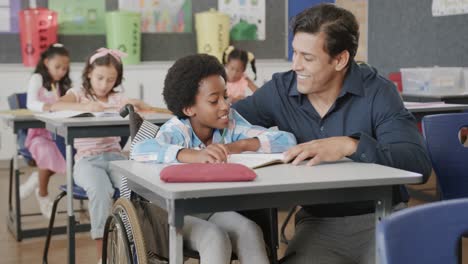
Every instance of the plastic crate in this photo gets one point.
(465, 77)
(435, 80)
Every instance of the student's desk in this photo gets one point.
(449, 99)
(16, 120)
(84, 127)
(282, 185)
(421, 109)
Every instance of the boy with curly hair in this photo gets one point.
(206, 130)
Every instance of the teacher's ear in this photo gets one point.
(341, 60)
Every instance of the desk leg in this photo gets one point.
(383, 207)
(175, 245)
(70, 214)
(14, 212)
(176, 242)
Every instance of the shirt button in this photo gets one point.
(322, 128)
(363, 157)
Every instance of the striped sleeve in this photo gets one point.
(170, 139)
(271, 141)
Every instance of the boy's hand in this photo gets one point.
(248, 144)
(214, 153)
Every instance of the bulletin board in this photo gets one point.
(164, 46)
(404, 33)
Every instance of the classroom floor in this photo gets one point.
(30, 250)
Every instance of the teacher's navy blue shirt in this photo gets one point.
(368, 107)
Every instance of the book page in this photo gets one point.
(105, 114)
(60, 114)
(256, 160)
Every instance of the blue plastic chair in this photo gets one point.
(18, 101)
(78, 194)
(449, 157)
(429, 234)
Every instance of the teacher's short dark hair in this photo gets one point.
(339, 25)
(184, 77)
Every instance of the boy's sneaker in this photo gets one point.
(45, 205)
(27, 188)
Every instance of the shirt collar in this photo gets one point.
(352, 83)
(195, 141)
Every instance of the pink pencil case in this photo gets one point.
(205, 172)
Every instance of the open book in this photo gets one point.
(256, 160)
(70, 113)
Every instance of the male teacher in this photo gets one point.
(336, 108)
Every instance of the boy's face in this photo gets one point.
(211, 109)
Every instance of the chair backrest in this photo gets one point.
(396, 78)
(449, 157)
(139, 130)
(429, 234)
(17, 101)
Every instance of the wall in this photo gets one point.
(167, 46)
(403, 33)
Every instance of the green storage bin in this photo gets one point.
(123, 32)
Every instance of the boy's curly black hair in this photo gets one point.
(184, 77)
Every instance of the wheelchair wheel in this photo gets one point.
(123, 240)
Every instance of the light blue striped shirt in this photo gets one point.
(177, 134)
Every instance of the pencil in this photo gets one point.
(222, 135)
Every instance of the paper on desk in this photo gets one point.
(71, 113)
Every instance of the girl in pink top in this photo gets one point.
(235, 62)
(101, 76)
(49, 81)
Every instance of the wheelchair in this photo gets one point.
(124, 240)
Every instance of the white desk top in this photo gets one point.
(20, 119)
(20, 115)
(277, 178)
(416, 107)
(101, 121)
(436, 96)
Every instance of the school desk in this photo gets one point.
(421, 109)
(282, 185)
(85, 127)
(448, 98)
(17, 120)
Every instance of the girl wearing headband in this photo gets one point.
(101, 76)
(235, 62)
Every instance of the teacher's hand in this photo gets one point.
(322, 150)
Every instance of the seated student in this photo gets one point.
(102, 74)
(206, 130)
(235, 61)
(49, 81)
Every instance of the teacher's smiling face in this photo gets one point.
(316, 71)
